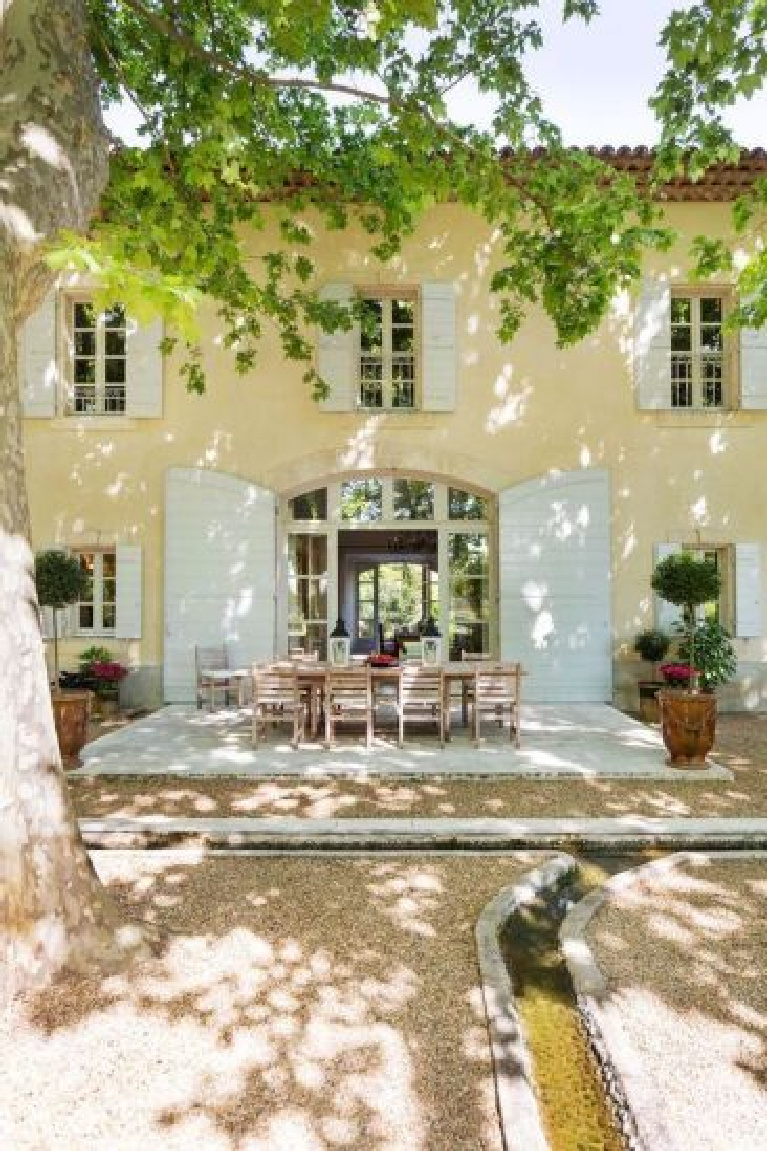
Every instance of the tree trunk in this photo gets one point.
(52, 170)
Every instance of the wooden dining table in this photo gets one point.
(311, 675)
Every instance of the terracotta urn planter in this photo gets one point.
(688, 724)
(70, 712)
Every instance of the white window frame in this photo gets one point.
(386, 298)
(697, 353)
(98, 593)
(101, 408)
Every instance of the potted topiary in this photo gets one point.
(60, 581)
(652, 646)
(715, 658)
(688, 715)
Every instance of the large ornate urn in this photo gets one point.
(688, 724)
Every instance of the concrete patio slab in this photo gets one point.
(558, 741)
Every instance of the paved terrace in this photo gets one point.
(583, 741)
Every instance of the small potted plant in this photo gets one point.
(652, 645)
(60, 582)
(688, 715)
(107, 674)
(101, 674)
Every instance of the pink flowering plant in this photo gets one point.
(677, 674)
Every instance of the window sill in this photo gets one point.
(696, 418)
(77, 423)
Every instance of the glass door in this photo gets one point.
(308, 593)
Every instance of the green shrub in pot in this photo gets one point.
(687, 582)
(715, 658)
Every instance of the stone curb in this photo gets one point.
(639, 1107)
(279, 832)
(518, 1111)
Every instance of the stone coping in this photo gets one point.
(491, 833)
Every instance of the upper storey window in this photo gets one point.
(698, 364)
(98, 343)
(387, 364)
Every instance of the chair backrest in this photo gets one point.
(348, 688)
(475, 656)
(212, 658)
(301, 656)
(421, 684)
(497, 685)
(412, 650)
(275, 684)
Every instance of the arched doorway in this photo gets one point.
(386, 552)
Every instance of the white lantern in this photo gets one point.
(431, 645)
(339, 646)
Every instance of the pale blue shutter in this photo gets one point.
(338, 356)
(438, 342)
(652, 345)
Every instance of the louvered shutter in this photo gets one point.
(38, 362)
(129, 586)
(438, 340)
(220, 580)
(748, 590)
(652, 345)
(144, 372)
(554, 585)
(753, 368)
(667, 615)
(338, 356)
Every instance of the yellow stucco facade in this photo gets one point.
(522, 411)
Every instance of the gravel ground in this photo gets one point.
(683, 950)
(297, 1005)
(741, 745)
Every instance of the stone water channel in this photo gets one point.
(575, 1110)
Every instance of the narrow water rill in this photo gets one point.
(575, 1110)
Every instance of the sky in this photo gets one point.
(594, 79)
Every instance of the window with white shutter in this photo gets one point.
(113, 365)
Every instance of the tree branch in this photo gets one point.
(254, 75)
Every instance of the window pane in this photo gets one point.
(310, 505)
(109, 563)
(711, 309)
(681, 339)
(371, 333)
(114, 371)
(711, 338)
(361, 500)
(84, 314)
(109, 615)
(85, 343)
(413, 500)
(402, 340)
(114, 317)
(114, 343)
(402, 312)
(681, 310)
(466, 505)
(85, 616)
(85, 371)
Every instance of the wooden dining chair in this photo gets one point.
(277, 699)
(496, 691)
(422, 696)
(348, 699)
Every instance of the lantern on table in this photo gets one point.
(339, 648)
(431, 645)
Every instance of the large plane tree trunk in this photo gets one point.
(53, 167)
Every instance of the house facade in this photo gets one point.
(518, 494)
